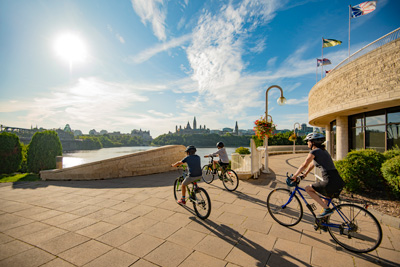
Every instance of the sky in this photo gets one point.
(156, 64)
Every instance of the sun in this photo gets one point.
(71, 48)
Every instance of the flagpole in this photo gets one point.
(349, 30)
(316, 72)
(322, 65)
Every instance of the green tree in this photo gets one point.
(10, 153)
(42, 151)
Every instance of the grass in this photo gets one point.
(11, 178)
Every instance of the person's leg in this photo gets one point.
(310, 191)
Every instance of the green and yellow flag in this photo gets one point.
(330, 42)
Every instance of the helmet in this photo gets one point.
(290, 182)
(315, 137)
(191, 149)
(220, 144)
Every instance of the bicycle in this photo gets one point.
(228, 177)
(351, 226)
(197, 195)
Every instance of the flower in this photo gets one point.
(264, 128)
(293, 137)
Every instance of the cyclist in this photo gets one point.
(331, 184)
(221, 153)
(193, 162)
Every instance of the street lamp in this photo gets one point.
(294, 134)
(281, 101)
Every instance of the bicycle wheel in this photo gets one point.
(355, 228)
(208, 175)
(201, 203)
(178, 188)
(285, 211)
(230, 180)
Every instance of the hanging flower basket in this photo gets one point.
(264, 128)
(293, 137)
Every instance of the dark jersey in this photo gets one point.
(194, 165)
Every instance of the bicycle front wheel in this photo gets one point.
(230, 180)
(355, 228)
(208, 175)
(201, 203)
(178, 188)
(284, 209)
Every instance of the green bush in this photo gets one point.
(391, 172)
(361, 170)
(394, 152)
(10, 153)
(242, 150)
(42, 151)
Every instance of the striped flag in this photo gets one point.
(323, 62)
(330, 42)
(363, 9)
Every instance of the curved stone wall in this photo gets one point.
(141, 163)
(368, 83)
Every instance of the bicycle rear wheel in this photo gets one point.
(178, 188)
(208, 175)
(285, 211)
(355, 228)
(230, 180)
(201, 203)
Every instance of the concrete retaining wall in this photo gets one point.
(141, 163)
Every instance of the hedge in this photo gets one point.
(391, 172)
(42, 151)
(10, 153)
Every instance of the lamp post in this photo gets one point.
(294, 134)
(281, 101)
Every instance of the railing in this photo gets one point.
(368, 48)
(248, 165)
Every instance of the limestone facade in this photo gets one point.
(141, 163)
(370, 82)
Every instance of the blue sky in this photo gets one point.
(155, 64)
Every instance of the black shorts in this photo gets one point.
(331, 186)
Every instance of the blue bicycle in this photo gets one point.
(351, 226)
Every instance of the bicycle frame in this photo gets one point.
(346, 221)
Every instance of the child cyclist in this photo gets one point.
(221, 153)
(193, 162)
(331, 184)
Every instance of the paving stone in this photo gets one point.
(285, 233)
(102, 214)
(144, 263)
(318, 239)
(85, 252)
(257, 225)
(140, 210)
(123, 206)
(141, 245)
(78, 224)
(178, 219)
(159, 214)
(96, 230)
(42, 236)
(257, 239)
(214, 246)
(291, 252)
(389, 257)
(140, 224)
(57, 262)
(114, 258)
(29, 258)
(229, 218)
(244, 255)
(120, 218)
(118, 236)
(86, 210)
(253, 213)
(198, 259)
(60, 219)
(28, 213)
(9, 221)
(46, 215)
(319, 258)
(5, 238)
(62, 242)
(168, 254)
(186, 237)
(26, 229)
(12, 248)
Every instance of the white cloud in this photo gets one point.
(152, 51)
(294, 101)
(152, 11)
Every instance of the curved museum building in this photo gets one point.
(358, 102)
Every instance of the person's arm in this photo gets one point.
(304, 166)
(310, 168)
(176, 164)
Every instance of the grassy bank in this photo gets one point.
(11, 178)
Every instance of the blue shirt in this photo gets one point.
(194, 165)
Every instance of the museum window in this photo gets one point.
(379, 130)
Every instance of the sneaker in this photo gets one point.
(325, 213)
(182, 201)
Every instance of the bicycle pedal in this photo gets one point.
(316, 227)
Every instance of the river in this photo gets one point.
(86, 156)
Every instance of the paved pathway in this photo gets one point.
(135, 222)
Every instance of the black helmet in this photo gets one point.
(191, 149)
(220, 144)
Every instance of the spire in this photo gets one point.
(236, 128)
(194, 123)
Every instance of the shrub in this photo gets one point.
(394, 152)
(391, 172)
(10, 153)
(361, 170)
(42, 151)
(242, 150)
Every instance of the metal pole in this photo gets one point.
(266, 169)
(294, 133)
(349, 29)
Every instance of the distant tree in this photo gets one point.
(10, 153)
